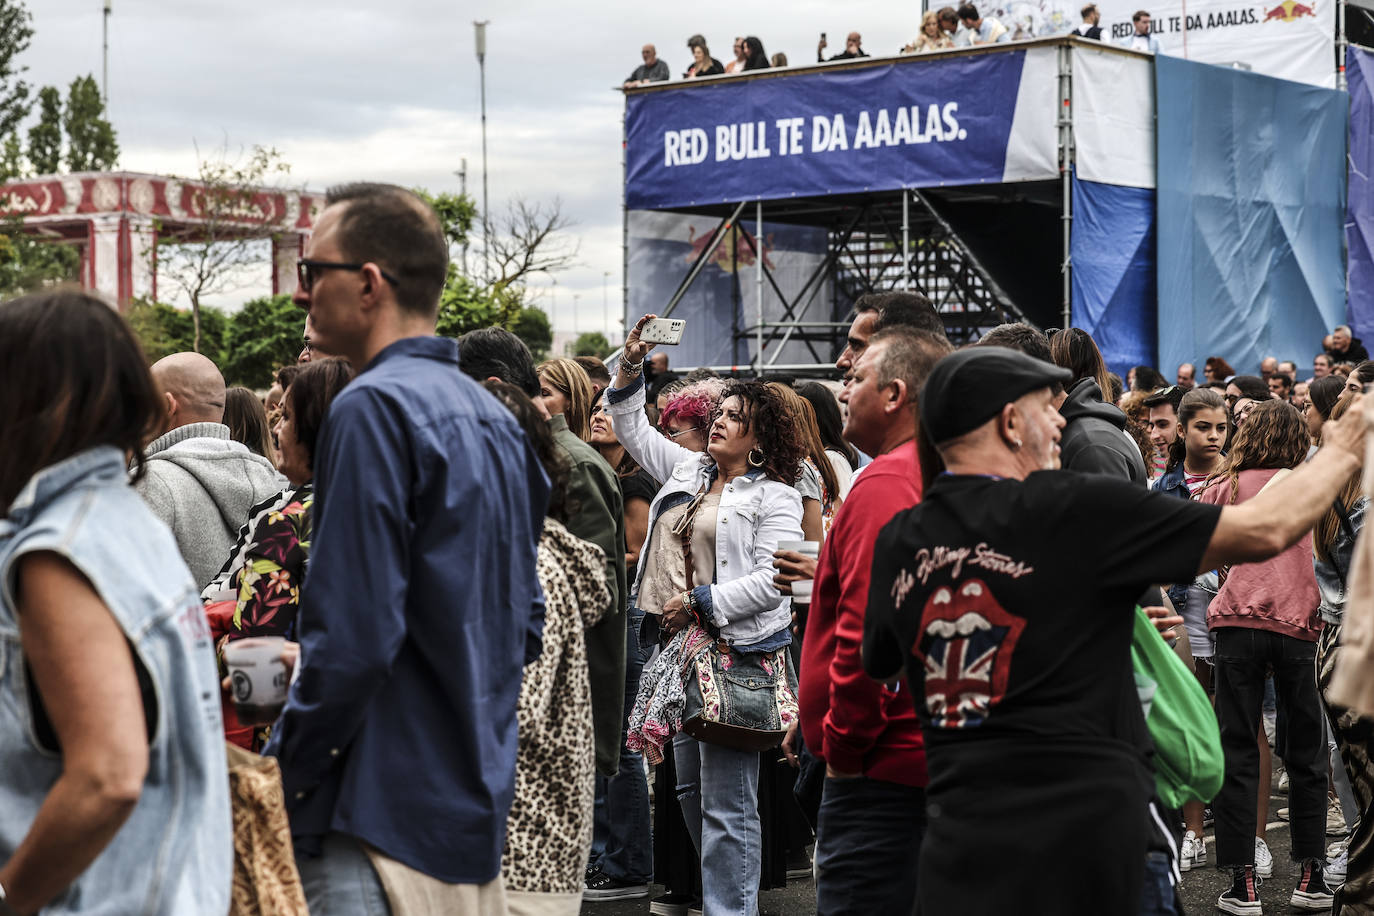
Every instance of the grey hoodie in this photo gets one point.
(203, 485)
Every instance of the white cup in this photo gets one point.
(258, 679)
(801, 589)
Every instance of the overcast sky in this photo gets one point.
(389, 91)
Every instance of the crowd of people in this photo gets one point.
(555, 633)
(947, 27)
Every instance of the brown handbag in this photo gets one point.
(266, 882)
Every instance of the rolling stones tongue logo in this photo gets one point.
(966, 646)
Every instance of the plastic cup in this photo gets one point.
(801, 589)
(258, 678)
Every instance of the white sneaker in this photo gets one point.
(1193, 853)
(1335, 819)
(1335, 870)
(1283, 781)
(1264, 859)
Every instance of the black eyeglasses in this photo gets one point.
(307, 270)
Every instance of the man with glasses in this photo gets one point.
(652, 70)
(397, 744)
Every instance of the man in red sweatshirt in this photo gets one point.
(872, 814)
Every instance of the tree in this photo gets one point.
(592, 343)
(91, 144)
(224, 246)
(11, 158)
(28, 263)
(465, 306)
(532, 326)
(15, 32)
(529, 239)
(164, 330)
(45, 137)
(263, 336)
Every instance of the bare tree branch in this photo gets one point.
(529, 238)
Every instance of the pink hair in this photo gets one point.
(695, 404)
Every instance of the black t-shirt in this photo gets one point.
(638, 485)
(1010, 602)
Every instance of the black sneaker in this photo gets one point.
(601, 886)
(1243, 897)
(1312, 892)
(673, 904)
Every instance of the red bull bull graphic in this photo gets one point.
(1289, 10)
(733, 250)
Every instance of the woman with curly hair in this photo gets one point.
(708, 562)
(1265, 618)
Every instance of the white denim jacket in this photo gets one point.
(755, 514)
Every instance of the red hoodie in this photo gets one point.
(852, 722)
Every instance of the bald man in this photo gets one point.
(198, 480)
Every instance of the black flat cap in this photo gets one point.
(968, 388)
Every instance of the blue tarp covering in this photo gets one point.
(877, 128)
(1251, 207)
(1359, 221)
(1113, 253)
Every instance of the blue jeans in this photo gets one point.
(622, 838)
(868, 845)
(1157, 895)
(342, 881)
(718, 789)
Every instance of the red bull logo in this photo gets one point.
(1289, 10)
(732, 251)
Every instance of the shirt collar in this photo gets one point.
(558, 422)
(47, 484)
(441, 349)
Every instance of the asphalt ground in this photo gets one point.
(1201, 886)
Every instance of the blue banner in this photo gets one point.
(1251, 195)
(1113, 255)
(1359, 218)
(906, 124)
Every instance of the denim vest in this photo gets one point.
(174, 855)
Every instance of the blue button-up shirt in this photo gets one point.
(421, 606)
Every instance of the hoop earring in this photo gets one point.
(750, 458)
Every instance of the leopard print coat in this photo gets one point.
(549, 831)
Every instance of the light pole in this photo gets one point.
(480, 28)
(462, 174)
(105, 62)
(576, 296)
(606, 302)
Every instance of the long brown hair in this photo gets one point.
(1274, 436)
(1075, 350)
(809, 431)
(572, 380)
(1324, 534)
(73, 378)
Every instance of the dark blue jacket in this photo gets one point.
(420, 609)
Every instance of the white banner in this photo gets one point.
(1292, 39)
(1114, 117)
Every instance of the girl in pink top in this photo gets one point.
(1265, 618)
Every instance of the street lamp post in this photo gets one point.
(105, 60)
(606, 302)
(480, 28)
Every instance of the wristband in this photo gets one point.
(631, 369)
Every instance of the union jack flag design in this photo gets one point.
(966, 645)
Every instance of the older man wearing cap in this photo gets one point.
(1007, 596)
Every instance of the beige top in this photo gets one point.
(665, 569)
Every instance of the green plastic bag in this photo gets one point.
(1189, 765)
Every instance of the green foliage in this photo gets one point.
(457, 212)
(532, 326)
(27, 262)
(592, 343)
(15, 31)
(91, 144)
(164, 330)
(465, 305)
(263, 336)
(45, 137)
(11, 158)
